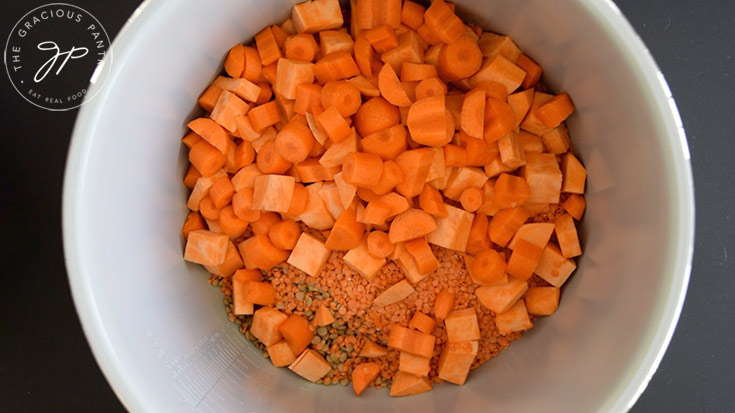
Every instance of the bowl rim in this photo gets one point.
(642, 64)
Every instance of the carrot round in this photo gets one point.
(308, 97)
(301, 46)
(235, 61)
(193, 222)
(342, 95)
(387, 143)
(190, 139)
(364, 56)
(499, 119)
(533, 71)
(459, 59)
(206, 158)
(391, 88)
(266, 93)
(244, 155)
(259, 252)
(230, 224)
(428, 122)
(412, 14)
(284, 234)
(493, 89)
(382, 38)
(379, 245)
(472, 199)
(555, 111)
(411, 224)
(211, 132)
(362, 169)
(294, 142)
(430, 87)
(299, 200)
(347, 232)
(478, 240)
(190, 179)
(411, 72)
(221, 192)
(422, 255)
(253, 66)
(431, 201)
(375, 115)
(263, 225)
(444, 303)
(472, 116)
(334, 124)
(488, 266)
(208, 209)
(242, 205)
(269, 161)
(391, 176)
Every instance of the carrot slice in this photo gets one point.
(387, 143)
(268, 48)
(442, 21)
(391, 88)
(375, 115)
(301, 47)
(342, 95)
(412, 14)
(428, 122)
(459, 59)
(499, 119)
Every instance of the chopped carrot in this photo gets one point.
(406, 384)
(280, 354)
(432, 202)
(387, 143)
(574, 174)
(488, 267)
(454, 155)
(511, 191)
(493, 89)
(299, 199)
(331, 41)
(372, 350)
(427, 124)
(391, 88)
(524, 259)
(363, 375)
(479, 152)
(362, 169)
(221, 192)
(242, 205)
(537, 233)
(422, 255)
(442, 21)
(472, 199)
(208, 210)
(346, 233)
(555, 111)
(375, 115)
(259, 252)
(284, 234)
(430, 87)
(294, 142)
(472, 117)
(382, 38)
(478, 240)
(241, 87)
(367, 87)
(390, 177)
(575, 206)
(499, 69)
(379, 244)
(411, 224)
(206, 158)
(296, 332)
(542, 300)
(412, 14)
(415, 165)
(365, 56)
(263, 224)
(499, 119)
(531, 143)
(520, 103)
(373, 13)
(335, 66)
(301, 46)
(411, 341)
(532, 123)
(334, 124)
(511, 150)
(211, 132)
(269, 161)
(342, 95)
(556, 141)
(307, 98)
(209, 97)
(532, 69)
(323, 317)
(422, 322)
(235, 61)
(409, 50)
(194, 222)
(268, 48)
(263, 116)
(493, 44)
(444, 304)
(459, 59)
(505, 224)
(265, 325)
(417, 71)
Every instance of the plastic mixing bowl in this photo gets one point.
(160, 333)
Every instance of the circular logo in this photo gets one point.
(54, 53)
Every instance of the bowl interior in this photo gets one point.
(160, 333)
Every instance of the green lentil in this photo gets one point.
(344, 382)
(325, 295)
(322, 331)
(343, 357)
(300, 296)
(266, 355)
(348, 349)
(333, 336)
(308, 313)
(308, 301)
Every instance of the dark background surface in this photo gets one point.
(46, 364)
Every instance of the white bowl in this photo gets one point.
(159, 332)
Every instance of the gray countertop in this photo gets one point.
(46, 363)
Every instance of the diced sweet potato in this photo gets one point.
(206, 247)
(310, 365)
(259, 292)
(372, 350)
(323, 317)
(406, 384)
(414, 364)
(309, 255)
(543, 176)
(515, 319)
(361, 261)
(280, 354)
(461, 325)
(394, 293)
(363, 375)
(408, 264)
(316, 214)
(265, 325)
(463, 178)
(455, 361)
(411, 341)
(232, 262)
(346, 191)
(316, 15)
(537, 233)
(273, 192)
(500, 298)
(330, 196)
(239, 279)
(542, 300)
(553, 267)
(566, 234)
(453, 231)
